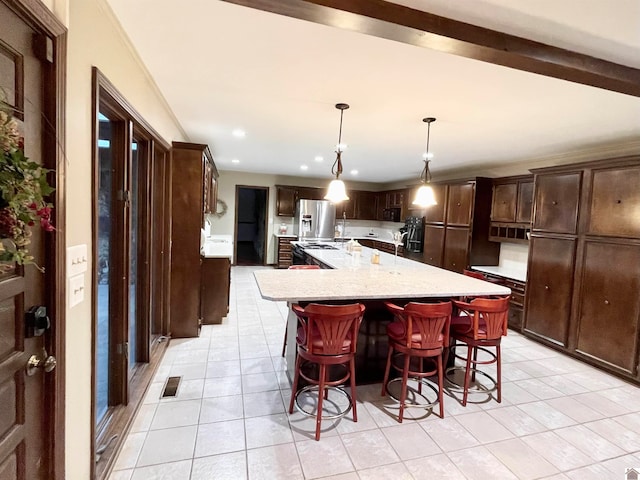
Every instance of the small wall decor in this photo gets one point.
(221, 208)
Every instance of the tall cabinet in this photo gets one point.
(456, 232)
(193, 192)
(583, 288)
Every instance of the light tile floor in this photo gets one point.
(559, 418)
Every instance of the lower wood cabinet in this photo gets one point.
(215, 282)
(610, 304)
(516, 301)
(433, 245)
(284, 252)
(456, 249)
(548, 307)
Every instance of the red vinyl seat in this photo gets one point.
(419, 330)
(327, 337)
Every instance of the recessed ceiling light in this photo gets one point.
(304, 167)
(239, 133)
(319, 158)
(235, 160)
(354, 172)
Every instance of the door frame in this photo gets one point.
(266, 222)
(45, 23)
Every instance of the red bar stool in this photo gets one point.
(483, 325)
(295, 267)
(420, 330)
(474, 274)
(327, 336)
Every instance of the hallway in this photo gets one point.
(559, 418)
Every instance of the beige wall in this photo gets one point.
(94, 38)
(227, 191)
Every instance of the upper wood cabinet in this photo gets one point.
(288, 195)
(348, 208)
(615, 202)
(436, 213)
(460, 203)
(557, 197)
(503, 207)
(367, 205)
(524, 205)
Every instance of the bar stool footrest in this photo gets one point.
(457, 388)
(427, 405)
(310, 388)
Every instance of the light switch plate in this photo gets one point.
(76, 290)
(77, 260)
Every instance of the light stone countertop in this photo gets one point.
(513, 273)
(355, 278)
(217, 246)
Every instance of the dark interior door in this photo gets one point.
(23, 436)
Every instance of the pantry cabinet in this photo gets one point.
(583, 291)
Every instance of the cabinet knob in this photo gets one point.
(606, 302)
(454, 264)
(554, 203)
(546, 287)
(458, 203)
(619, 201)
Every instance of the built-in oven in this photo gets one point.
(391, 214)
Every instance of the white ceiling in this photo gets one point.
(222, 66)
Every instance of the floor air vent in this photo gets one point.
(171, 387)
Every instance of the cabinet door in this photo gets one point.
(615, 203)
(551, 266)
(214, 284)
(285, 201)
(610, 304)
(367, 204)
(524, 206)
(456, 249)
(556, 202)
(433, 245)
(460, 203)
(435, 213)
(503, 207)
(381, 199)
(309, 193)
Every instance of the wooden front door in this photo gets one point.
(26, 446)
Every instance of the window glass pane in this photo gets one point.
(133, 254)
(105, 191)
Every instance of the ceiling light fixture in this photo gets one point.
(425, 196)
(239, 133)
(235, 160)
(337, 192)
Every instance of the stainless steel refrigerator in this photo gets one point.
(315, 220)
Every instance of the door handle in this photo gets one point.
(46, 363)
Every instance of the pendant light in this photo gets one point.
(337, 192)
(425, 196)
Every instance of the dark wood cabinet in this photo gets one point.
(460, 203)
(610, 304)
(285, 201)
(516, 300)
(367, 205)
(465, 239)
(511, 209)
(433, 245)
(436, 213)
(381, 204)
(215, 282)
(503, 208)
(557, 197)
(583, 293)
(549, 288)
(310, 193)
(284, 252)
(615, 202)
(192, 170)
(456, 249)
(347, 208)
(524, 204)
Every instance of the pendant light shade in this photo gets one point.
(425, 196)
(337, 192)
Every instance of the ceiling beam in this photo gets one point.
(415, 27)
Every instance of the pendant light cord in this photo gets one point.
(336, 169)
(425, 176)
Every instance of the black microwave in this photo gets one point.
(391, 214)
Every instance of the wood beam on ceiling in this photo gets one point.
(415, 27)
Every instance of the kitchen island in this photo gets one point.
(353, 278)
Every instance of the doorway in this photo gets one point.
(250, 229)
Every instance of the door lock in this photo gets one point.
(36, 321)
(46, 363)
